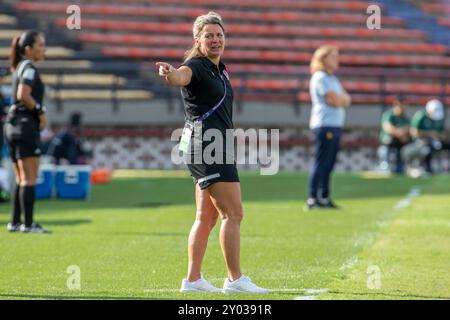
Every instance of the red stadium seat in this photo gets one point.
(268, 60)
(142, 11)
(324, 5)
(444, 22)
(288, 57)
(266, 30)
(437, 8)
(254, 42)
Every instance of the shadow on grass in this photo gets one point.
(153, 204)
(160, 193)
(150, 234)
(65, 222)
(73, 297)
(391, 295)
(72, 222)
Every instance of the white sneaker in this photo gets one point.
(200, 285)
(34, 228)
(13, 227)
(242, 285)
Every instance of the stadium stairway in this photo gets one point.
(417, 19)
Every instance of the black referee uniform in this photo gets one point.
(22, 124)
(22, 136)
(201, 96)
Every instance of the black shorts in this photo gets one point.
(207, 174)
(217, 169)
(22, 136)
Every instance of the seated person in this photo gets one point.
(67, 145)
(427, 132)
(394, 134)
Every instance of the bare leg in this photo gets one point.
(29, 169)
(226, 197)
(205, 220)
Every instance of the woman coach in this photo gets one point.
(26, 117)
(329, 101)
(208, 100)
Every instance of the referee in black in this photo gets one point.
(208, 100)
(25, 119)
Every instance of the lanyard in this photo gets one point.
(217, 106)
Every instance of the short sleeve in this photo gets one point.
(386, 117)
(416, 120)
(196, 66)
(28, 76)
(322, 85)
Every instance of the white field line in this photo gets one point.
(349, 264)
(406, 202)
(271, 290)
(402, 204)
(310, 294)
(305, 298)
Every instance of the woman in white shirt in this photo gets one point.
(329, 101)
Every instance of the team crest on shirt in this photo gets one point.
(226, 74)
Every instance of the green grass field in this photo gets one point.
(129, 241)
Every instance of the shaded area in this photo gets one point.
(65, 222)
(153, 204)
(72, 222)
(286, 186)
(149, 234)
(391, 295)
(74, 297)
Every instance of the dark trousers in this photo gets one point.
(395, 147)
(429, 156)
(327, 141)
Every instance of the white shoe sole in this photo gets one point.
(196, 290)
(230, 290)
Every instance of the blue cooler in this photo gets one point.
(73, 182)
(44, 183)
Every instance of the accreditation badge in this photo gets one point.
(186, 137)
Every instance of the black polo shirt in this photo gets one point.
(26, 73)
(205, 90)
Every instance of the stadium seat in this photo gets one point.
(349, 5)
(230, 15)
(52, 52)
(444, 22)
(269, 57)
(80, 79)
(436, 8)
(7, 20)
(430, 74)
(9, 34)
(264, 43)
(66, 94)
(281, 56)
(236, 29)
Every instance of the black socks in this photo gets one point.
(16, 209)
(27, 197)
